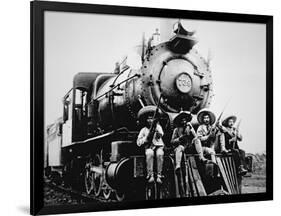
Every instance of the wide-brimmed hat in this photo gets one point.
(183, 114)
(206, 112)
(146, 111)
(225, 121)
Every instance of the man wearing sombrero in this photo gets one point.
(145, 116)
(229, 142)
(205, 133)
(183, 135)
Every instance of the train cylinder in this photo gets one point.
(119, 174)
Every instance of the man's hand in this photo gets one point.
(146, 143)
(212, 135)
(149, 137)
(188, 128)
(220, 127)
(233, 139)
(183, 138)
(158, 135)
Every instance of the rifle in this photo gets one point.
(152, 129)
(216, 127)
(233, 140)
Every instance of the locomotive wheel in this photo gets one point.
(107, 192)
(97, 177)
(120, 196)
(150, 191)
(89, 181)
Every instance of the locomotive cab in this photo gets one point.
(79, 111)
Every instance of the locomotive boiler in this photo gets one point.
(98, 132)
(171, 69)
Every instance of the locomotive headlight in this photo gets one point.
(184, 83)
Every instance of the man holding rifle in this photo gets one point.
(207, 133)
(183, 136)
(151, 137)
(229, 142)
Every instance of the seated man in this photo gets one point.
(183, 135)
(145, 116)
(206, 134)
(229, 142)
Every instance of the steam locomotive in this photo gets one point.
(93, 146)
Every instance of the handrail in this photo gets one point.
(117, 85)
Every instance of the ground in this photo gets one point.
(256, 183)
(56, 197)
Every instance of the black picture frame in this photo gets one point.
(37, 103)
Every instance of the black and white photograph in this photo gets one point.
(181, 98)
(140, 108)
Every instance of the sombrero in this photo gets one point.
(208, 112)
(183, 114)
(146, 111)
(225, 121)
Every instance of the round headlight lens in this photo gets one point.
(184, 83)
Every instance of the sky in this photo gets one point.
(76, 42)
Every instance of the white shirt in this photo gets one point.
(144, 133)
(203, 131)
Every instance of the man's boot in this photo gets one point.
(224, 150)
(150, 177)
(178, 158)
(199, 150)
(159, 178)
(242, 171)
(222, 143)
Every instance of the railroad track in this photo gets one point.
(76, 194)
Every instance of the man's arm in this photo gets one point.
(192, 130)
(200, 134)
(159, 130)
(239, 137)
(141, 137)
(159, 133)
(175, 137)
(223, 128)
